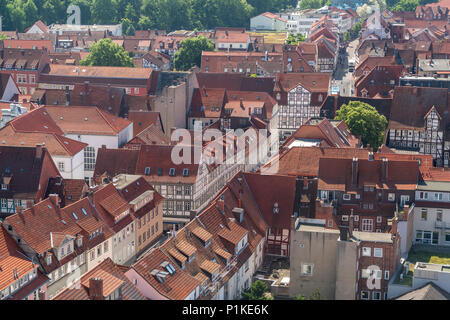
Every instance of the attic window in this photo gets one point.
(63, 221)
(276, 209)
(169, 267)
(147, 171)
(172, 172)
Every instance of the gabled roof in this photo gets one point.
(100, 72)
(143, 119)
(113, 277)
(429, 291)
(313, 82)
(411, 104)
(56, 145)
(12, 259)
(115, 161)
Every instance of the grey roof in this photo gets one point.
(434, 185)
(434, 65)
(430, 291)
(372, 236)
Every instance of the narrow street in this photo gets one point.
(342, 78)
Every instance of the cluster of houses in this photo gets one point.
(93, 205)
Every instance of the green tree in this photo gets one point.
(107, 53)
(3, 36)
(16, 15)
(256, 291)
(145, 23)
(31, 12)
(406, 5)
(365, 121)
(190, 53)
(295, 39)
(103, 11)
(313, 4)
(315, 295)
(127, 27)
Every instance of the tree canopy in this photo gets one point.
(107, 53)
(315, 295)
(314, 4)
(295, 39)
(406, 5)
(166, 15)
(365, 121)
(190, 53)
(257, 291)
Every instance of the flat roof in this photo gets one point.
(372, 236)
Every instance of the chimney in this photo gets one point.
(39, 151)
(221, 204)
(238, 214)
(355, 171)
(41, 295)
(96, 289)
(54, 198)
(350, 223)
(293, 219)
(384, 170)
(67, 96)
(343, 230)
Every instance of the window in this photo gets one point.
(366, 251)
(376, 295)
(136, 90)
(378, 252)
(21, 78)
(438, 215)
(344, 218)
(365, 273)
(147, 171)
(92, 255)
(423, 215)
(367, 225)
(427, 237)
(61, 166)
(32, 78)
(330, 223)
(346, 196)
(89, 158)
(391, 197)
(379, 219)
(99, 251)
(307, 269)
(386, 275)
(447, 237)
(365, 295)
(105, 247)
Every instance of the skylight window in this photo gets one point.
(75, 216)
(63, 221)
(84, 211)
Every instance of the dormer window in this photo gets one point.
(276, 209)
(48, 260)
(79, 241)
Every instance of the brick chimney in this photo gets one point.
(96, 289)
(41, 295)
(384, 170)
(54, 198)
(39, 151)
(355, 171)
(221, 204)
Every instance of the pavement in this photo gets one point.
(342, 77)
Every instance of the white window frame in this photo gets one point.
(378, 252)
(386, 275)
(368, 295)
(366, 251)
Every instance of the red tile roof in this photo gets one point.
(56, 145)
(12, 259)
(113, 277)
